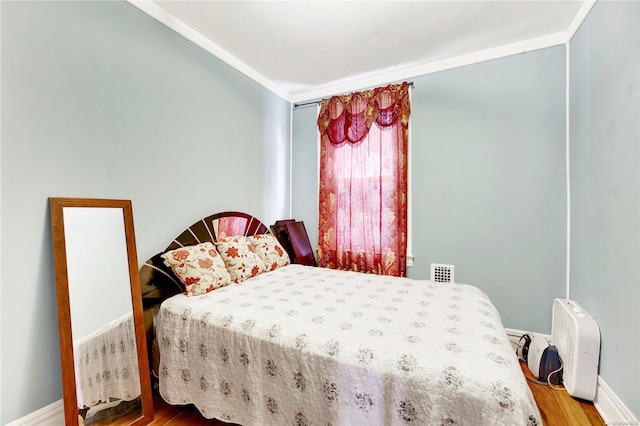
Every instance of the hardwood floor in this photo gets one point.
(557, 407)
(179, 415)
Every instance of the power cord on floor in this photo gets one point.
(548, 382)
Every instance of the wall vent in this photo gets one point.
(441, 273)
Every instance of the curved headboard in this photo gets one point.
(157, 282)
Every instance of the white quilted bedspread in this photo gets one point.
(106, 363)
(313, 346)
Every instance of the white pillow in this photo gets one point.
(200, 268)
(240, 258)
(270, 250)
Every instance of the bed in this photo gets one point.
(312, 346)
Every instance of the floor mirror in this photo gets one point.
(103, 354)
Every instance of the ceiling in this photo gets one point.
(304, 50)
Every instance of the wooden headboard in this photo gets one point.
(157, 282)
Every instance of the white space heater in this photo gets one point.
(577, 337)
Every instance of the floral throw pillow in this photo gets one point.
(200, 268)
(240, 258)
(270, 251)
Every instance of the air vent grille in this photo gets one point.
(441, 273)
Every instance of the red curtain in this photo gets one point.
(363, 181)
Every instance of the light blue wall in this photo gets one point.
(489, 193)
(605, 187)
(100, 100)
(305, 169)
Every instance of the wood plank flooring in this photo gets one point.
(557, 408)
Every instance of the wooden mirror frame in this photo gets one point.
(57, 205)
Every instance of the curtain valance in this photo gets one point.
(348, 117)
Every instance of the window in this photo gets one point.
(363, 181)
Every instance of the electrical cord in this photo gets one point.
(531, 379)
(548, 382)
(553, 372)
(539, 382)
(516, 340)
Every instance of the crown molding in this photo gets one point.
(158, 13)
(579, 18)
(155, 11)
(432, 67)
(537, 43)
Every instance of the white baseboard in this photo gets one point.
(512, 332)
(515, 335)
(51, 415)
(612, 410)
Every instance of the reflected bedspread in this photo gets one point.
(106, 363)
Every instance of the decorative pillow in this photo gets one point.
(199, 267)
(270, 251)
(240, 258)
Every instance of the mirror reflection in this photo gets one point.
(104, 366)
(229, 226)
(105, 355)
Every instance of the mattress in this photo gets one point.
(314, 346)
(106, 364)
